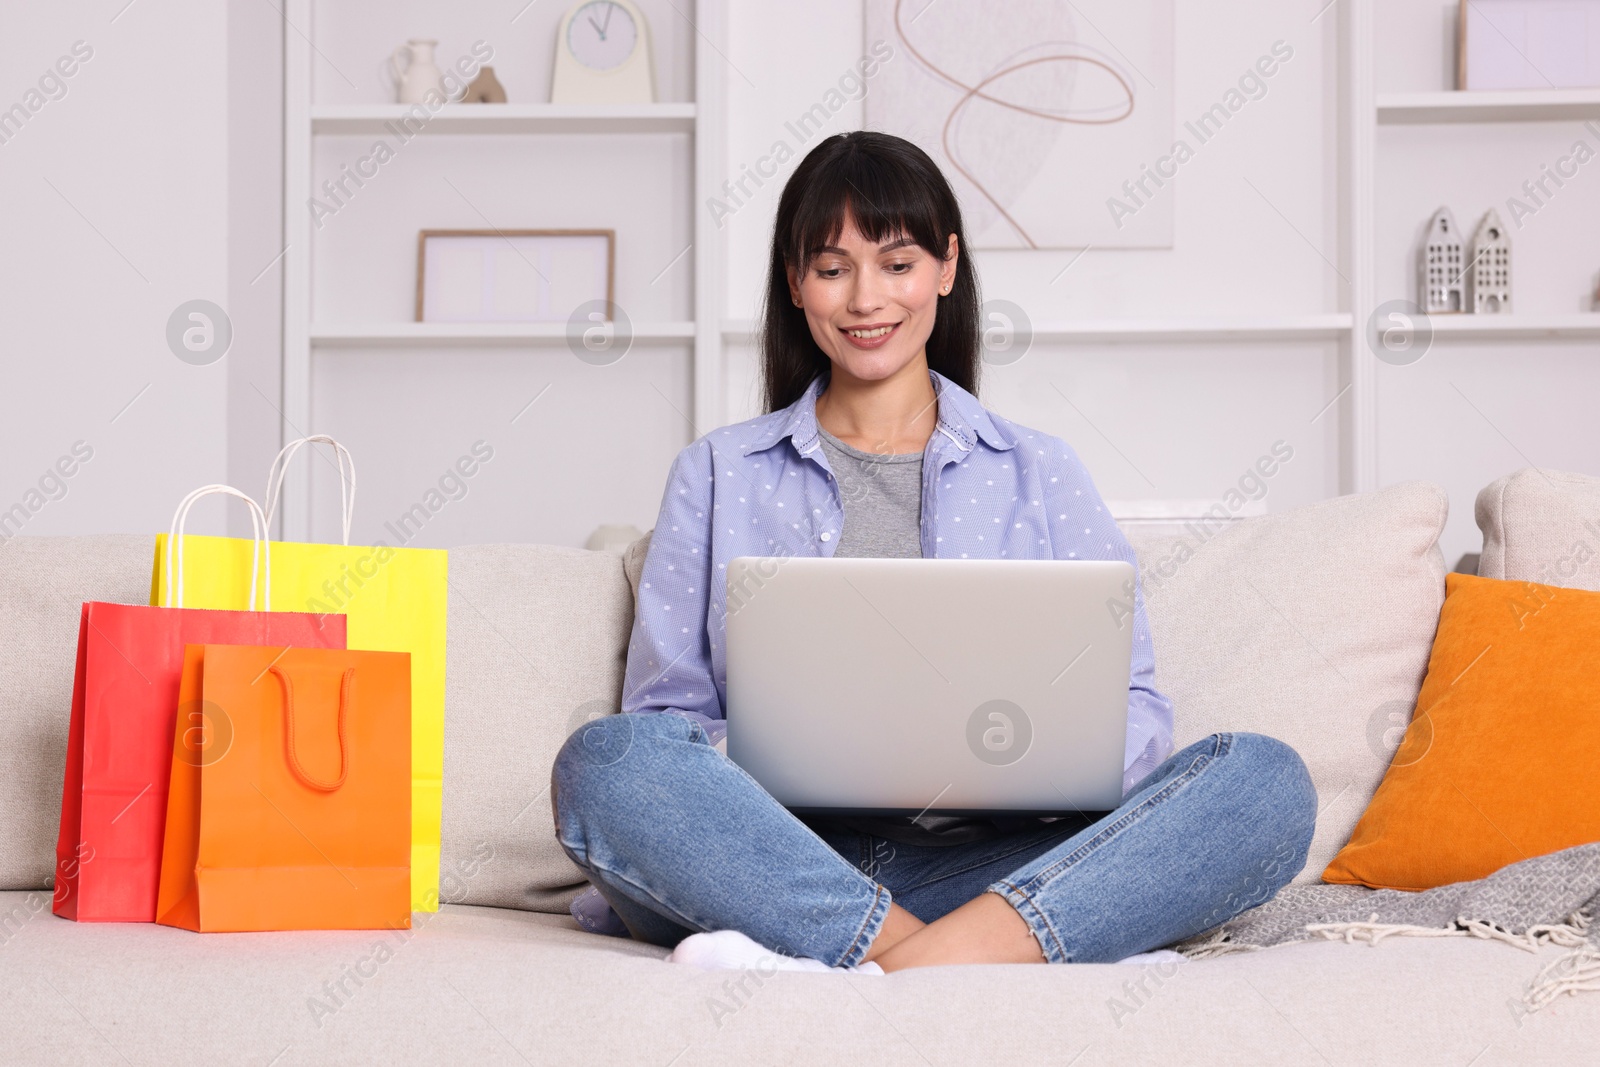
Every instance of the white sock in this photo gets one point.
(729, 950)
(1160, 955)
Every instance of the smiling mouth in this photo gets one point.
(872, 334)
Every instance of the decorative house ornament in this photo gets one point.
(485, 89)
(603, 56)
(1491, 267)
(1441, 266)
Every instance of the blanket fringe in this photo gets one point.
(1220, 943)
(1576, 972)
(1573, 932)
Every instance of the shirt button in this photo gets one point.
(826, 535)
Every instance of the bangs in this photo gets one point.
(889, 189)
(885, 200)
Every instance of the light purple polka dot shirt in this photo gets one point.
(991, 489)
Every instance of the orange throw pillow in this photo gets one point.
(1499, 762)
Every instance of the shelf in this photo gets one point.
(1515, 105)
(1285, 328)
(351, 335)
(504, 118)
(1577, 326)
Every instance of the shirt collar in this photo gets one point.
(961, 417)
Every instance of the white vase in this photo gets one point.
(419, 76)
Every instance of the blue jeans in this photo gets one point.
(679, 839)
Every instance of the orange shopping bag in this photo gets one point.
(290, 799)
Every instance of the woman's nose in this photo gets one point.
(866, 293)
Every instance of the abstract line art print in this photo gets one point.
(1038, 111)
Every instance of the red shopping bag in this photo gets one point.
(119, 745)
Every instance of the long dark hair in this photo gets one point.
(890, 187)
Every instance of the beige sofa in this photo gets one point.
(1312, 625)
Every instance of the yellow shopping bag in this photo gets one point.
(394, 600)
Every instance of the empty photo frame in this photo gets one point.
(512, 275)
(1528, 44)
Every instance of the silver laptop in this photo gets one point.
(935, 686)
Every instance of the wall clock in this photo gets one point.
(603, 56)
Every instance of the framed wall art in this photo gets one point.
(512, 275)
(1054, 122)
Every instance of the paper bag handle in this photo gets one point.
(288, 731)
(258, 545)
(347, 483)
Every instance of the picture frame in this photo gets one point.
(1527, 44)
(525, 275)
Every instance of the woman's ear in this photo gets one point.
(947, 270)
(794, 285)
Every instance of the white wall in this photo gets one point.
(116, 212)
(168, 145)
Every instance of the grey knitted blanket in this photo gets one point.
(1551, 899)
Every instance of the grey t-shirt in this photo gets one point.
(882, 499)
(881, 494)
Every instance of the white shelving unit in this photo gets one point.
(475, 333)
(709, 332)
(507, 118)
(305, 120)
(1330, 327)
(1579, 327)
(1453, 108)
(1509, 106)
(1359, 450)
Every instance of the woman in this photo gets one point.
(875, 444)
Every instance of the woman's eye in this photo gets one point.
(830, 273)
(896, 267)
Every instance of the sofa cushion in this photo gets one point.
(537, 643)
(485, 985)
(1312, 625)
(1477, 784)
(43, 583)
(1541, 526)
(633, 561)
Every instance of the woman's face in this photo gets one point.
(889, 292)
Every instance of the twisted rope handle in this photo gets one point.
(288, 731)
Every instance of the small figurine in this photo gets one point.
(1491, 267)
(485, 89)
(1440, 266)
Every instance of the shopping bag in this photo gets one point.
(303, 820)
(394, 599)
(119, 744)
